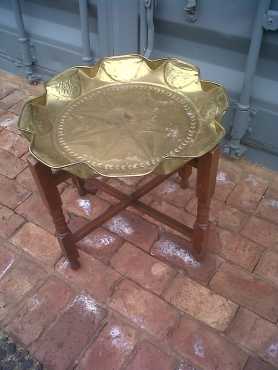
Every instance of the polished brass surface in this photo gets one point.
(125, 116)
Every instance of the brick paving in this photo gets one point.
(140, 300)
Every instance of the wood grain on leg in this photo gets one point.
(206, 179)
(184, 173)
(50, 195)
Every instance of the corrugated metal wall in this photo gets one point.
(218, 42)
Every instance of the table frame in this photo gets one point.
(47, 182)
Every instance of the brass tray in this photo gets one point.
(124, 116)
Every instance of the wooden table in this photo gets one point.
(48, 181)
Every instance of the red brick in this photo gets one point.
(247, 290)
(38, 243)
(220, 214)
(176, 251)
(119, 185)
(25, 178)
(126, 185)
(274, 183)
(258, 335)
(59, 346)
(34, 210)
(10, 165)
(268, 266)
(6, 88)
(261, 231)
(231, 168)
(134, 229)
(224, 185)
(174, 212)
(16, 282)
(100, 243)
(97, 278)
(39, 311)
(17, 108)
(272, 191)
(9, 222)
(11, 99)
(11, 193)
(13, 143)
(25, 157)
(258, 170)
(201, 303)
(205, 348)
(142, 268)
(268, 208)
(248, 193)
(89, 206)
(8, 121)
(171, 192)
(7, 259)
(111, 348)
(143, 309)
(234, 248)
(257, 364)
(148, 357)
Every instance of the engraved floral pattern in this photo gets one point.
(65, 87)
(178, 75)
(146, 134)
(125, 116)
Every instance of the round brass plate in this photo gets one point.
(127, 127)
(124, 116)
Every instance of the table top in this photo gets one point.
(124, 116)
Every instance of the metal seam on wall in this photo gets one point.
(85, 31)
(23, 39)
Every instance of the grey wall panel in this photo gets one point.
(218, 42)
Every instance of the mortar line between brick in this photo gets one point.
(178, 311)
(169, 283)
(259, 260)
(143, 288)
(260, 218)
(226, 331)
(54, 322)
(17, 229)
(16, 306)
(245, 306)
(217, 269)
(48, 267)
(220, 334)
(254, 273)
(75, 363)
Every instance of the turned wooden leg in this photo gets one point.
(50, 195)
(80, 185)
(206, 179)
(184, 173)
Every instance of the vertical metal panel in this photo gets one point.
(23, 40)
(125, 26)
(104, 27)
(218, 42)
(242, 115)
(85, 31)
